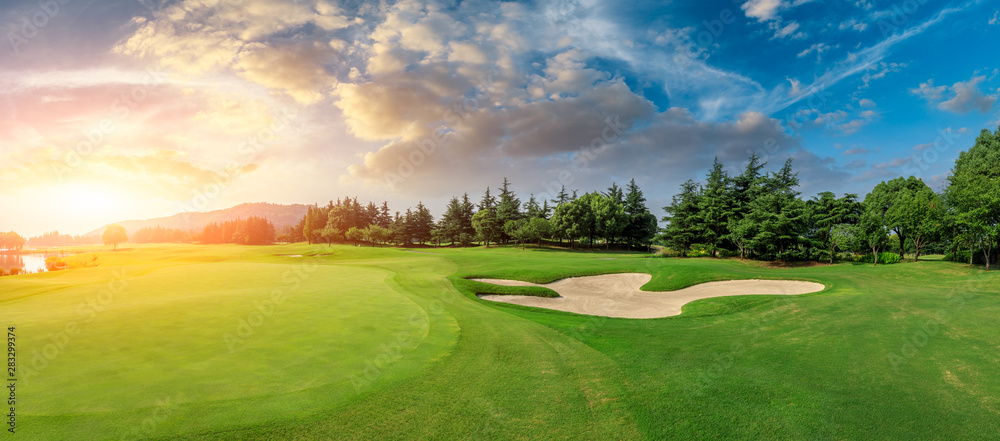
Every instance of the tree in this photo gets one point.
(714, 207)
(315, 222)
(466, 230)
(486, 225)
(683, 229)
(517, 229)
(532, 209)
(744, 191)
(561, 198)
(450, 224)
(575, 219)
(829, 213)
(113, 235)
(508, 207)
(422, 224)
(340, 218)
(539, 228)
(871, 230)
(331, 234)
(919, 211)
(841, 237)
(778, 214)
(887, 195)
(610, 219)
(742, 233)
(973, 192)
(11, 241)
(377, 234)
(356, 234)
(641, 227)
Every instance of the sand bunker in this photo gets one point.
(618, 295)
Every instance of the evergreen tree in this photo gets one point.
(508, 207)
(641, 227)
(561, 198)
(714, 208)
(423, 224)
(682, 229)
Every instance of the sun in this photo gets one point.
(81, 206)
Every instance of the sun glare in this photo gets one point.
(88, 206)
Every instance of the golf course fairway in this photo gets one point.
(237, 342)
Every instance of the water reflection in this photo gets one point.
(24, 263)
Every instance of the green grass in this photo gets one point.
(374, 343)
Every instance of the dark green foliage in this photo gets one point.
(884, 258)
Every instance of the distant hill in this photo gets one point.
(280, 215)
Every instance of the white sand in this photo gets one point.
(618, 295)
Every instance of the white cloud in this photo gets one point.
(787, 30)
(818, 48)
(967, 96)
(996, 18)
(763, 10)
(853, 24)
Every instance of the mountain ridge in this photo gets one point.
(279, 214)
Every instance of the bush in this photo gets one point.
(727, 253)
(961, 256)
(886, 258)
(793, 255)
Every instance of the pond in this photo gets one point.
(25, 263)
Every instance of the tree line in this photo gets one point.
(761, 216)
(253, 230)
(54, 238)
(616, 217)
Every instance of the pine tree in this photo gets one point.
(714, 208)
(561, 198)
(641, 227)
(508, 208)
(682, 218)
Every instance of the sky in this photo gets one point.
(113, 110)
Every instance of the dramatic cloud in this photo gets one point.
(198, 37)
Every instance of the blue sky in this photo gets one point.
(114, 110)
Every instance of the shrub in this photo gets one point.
(886, 258)
(961, 256)
(727, 253)
(793, 255)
